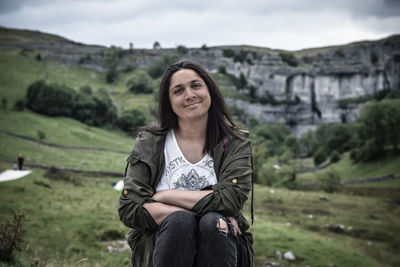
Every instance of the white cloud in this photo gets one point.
(284, 24)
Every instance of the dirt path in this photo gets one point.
(44, 167)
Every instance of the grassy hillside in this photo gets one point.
(348, 170)
(64, 223)
(68, 223)
(71, 222)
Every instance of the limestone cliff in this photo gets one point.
(310, 86)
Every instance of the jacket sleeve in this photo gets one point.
(233, 187)
(136, 192)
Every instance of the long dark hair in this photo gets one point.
(219, 124)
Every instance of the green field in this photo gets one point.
(71, 222)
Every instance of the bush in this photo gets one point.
(41, 135)
(222, 69)
(11, 237)
(157, 68)
(59, 100)
(19, 105)
(112, 57)
(228, 52)
(51, 99)
(320, 156)
(181, 49)
(86, 90)
(266, 174)
(330, 181)
(289, 58)
(131, 120)
(373, 58)
(59, 175)
(140, 82)
(334, 157)
(241, 57)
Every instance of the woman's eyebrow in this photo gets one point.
(180, 84)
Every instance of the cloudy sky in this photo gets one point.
(283, 24)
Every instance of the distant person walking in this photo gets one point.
(20, 162)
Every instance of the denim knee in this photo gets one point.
(180, 222)
(211, 221)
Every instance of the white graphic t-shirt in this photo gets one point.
(179, 173)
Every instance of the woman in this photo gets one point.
(187, 179)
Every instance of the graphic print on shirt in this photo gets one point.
(183, 175)
(192, 181)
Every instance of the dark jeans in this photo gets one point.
(184, 240)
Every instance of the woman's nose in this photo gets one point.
(190, 94)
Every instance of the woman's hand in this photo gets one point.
(158, 196)
(235, 226)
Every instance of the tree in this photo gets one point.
(157, 68)
(391, 121)
(289, 58)
(330, 181)
(59, 100)
(51, 99)
(181, 49)
(140, 82)
(371, 132)
(112, 57)
(131, 120)
(156, 45)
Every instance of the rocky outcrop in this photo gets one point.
(319, 85)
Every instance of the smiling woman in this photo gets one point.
(188, 178)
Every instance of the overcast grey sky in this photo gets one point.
(283, 24)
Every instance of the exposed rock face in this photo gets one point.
(301, 96)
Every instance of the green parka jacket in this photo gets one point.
(233, 167)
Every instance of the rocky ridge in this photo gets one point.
(319, 85)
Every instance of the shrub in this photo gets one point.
(112, 57)
(266, 174)
(112, 234)
(4, 103)
(19, 105)
(131, 120)
(334, 157)
(157, 68)
(204, 47)
(140, 82)
(289, 58)
(86, 89)
(228, 52)
(330, 181)
(41, 135)
(241, 57)
(222, 69)
(181, 49)
(320, 156)
(59, 100)
(51, 99)
(59, 175)
(11, 237)
(373, 58)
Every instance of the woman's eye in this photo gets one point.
(196, 85)
(178, 91)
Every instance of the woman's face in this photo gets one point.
(189, 96)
